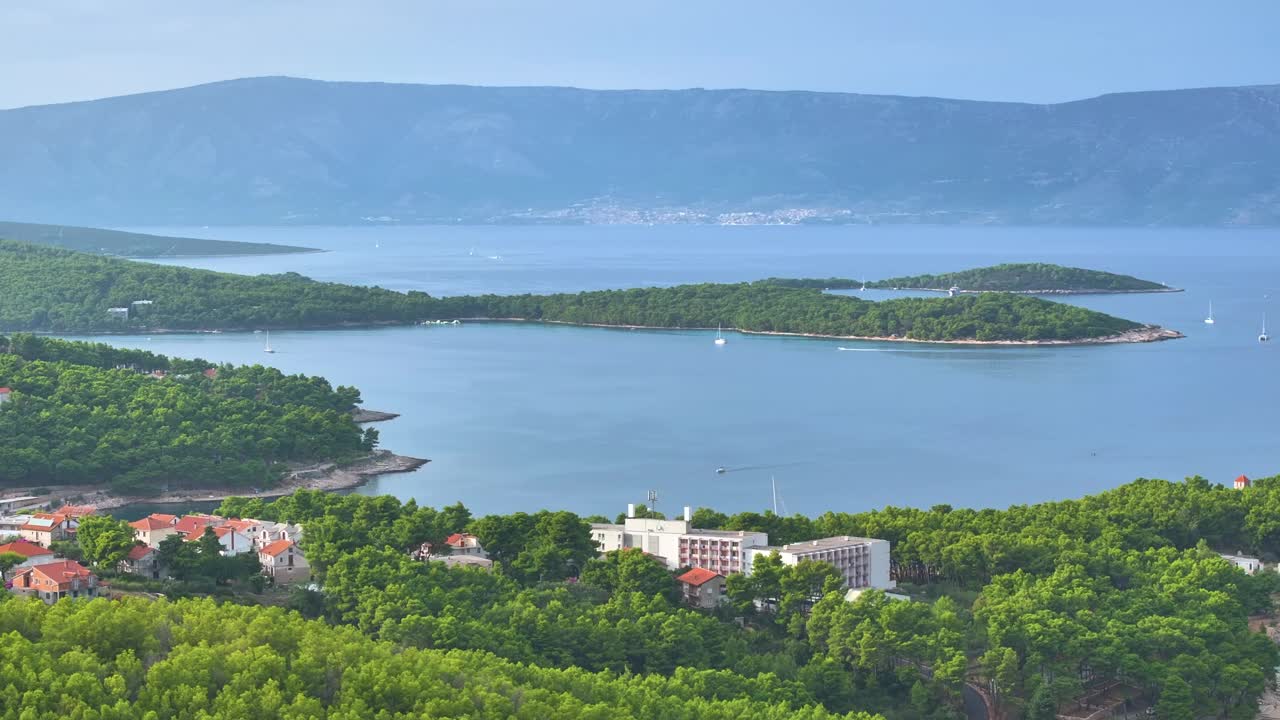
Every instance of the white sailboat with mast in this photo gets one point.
(266, 348)
(1263, 337)
(719, 337)
(1209, 320)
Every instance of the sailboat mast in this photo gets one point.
(774, 483)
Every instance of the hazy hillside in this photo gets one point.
(132, 244)
(273, 150)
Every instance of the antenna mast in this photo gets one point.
(653, 500)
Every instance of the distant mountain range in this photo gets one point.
(283, 150)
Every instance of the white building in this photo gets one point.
(864, 562)
(4, 395)
(1251, 565)
(679, 544)
(283, 561)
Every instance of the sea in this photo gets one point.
(522, 417)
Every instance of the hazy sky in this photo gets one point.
(58, 50)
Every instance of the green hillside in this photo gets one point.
(130, 244)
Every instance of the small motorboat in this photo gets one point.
(721, 470)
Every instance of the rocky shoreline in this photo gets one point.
(1143, 334)
(318, 476)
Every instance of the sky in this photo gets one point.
(63, 50)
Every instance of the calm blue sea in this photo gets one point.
(521, 417)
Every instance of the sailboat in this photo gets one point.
(719, 338)
(864, 285)
(1209, 320)
(266, 348)
(1263, 336)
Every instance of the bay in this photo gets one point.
(519, 417)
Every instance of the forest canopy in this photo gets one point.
(1025, 277)
(55, 290)
(89, 413)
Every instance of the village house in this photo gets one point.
(143, 561)
(283, 562)
(1242, 482)
(154, 528)
(55, 580)
(32, 553)
(15, 504)
(10, 525)
(48, 528)
(269, 532)
(1251, 565)
(233, 542)
(4, 395)
(702, 588)
(465, 544)
(191, 527)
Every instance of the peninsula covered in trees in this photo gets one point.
(1029, 278)
(134, 421)
(50, 290)
(99, 241)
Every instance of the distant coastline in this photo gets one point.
(1044, 292)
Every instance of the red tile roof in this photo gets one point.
(1242, 480)
(276, 547)
(193, 525)
(211, 373)
(75, 511)
(25, 549)
(698, 577)
(460, 539)
(138, 552)
(240, 525)
(60, 573)
(5, 390)
(151, 522)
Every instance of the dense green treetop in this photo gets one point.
(1036, 599)
(87, 413)
(1024, 277)
(61, 291)
(137, 659)
(131, 244)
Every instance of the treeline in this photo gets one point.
(88, 413)
(1023, 277)
(768, 307)
(60, 291)
(139, 659)
(49, 289)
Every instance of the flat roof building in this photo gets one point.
(864, 562)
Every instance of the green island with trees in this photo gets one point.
(1026, 278)
(51, 290)
(119, 243)
(1041, 605)
(134, 421)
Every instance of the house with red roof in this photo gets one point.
(47, 528)
(282, 561)
(32, 554)
(702, 588)
(154, 528)
(4, 395)
(56, 580)
(143, 561)
(191, 527)
(1243, 482)
(465, 544)
(233, 541)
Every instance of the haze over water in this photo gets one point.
(519, 417)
